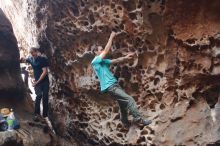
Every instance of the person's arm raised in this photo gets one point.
(108, 46)
(123, 59)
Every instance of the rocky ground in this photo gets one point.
(30, 133)
(174, 79)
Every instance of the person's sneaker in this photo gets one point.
(36, 118)
(143, 122)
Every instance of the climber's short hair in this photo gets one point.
(33, 49)
(97, 48)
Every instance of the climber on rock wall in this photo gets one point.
(109, 83)
(41, 83)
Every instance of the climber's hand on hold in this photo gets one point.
(118, 33)
(130, 56)
(117, 30)
(113, 34)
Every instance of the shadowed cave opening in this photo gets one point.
(212, 95)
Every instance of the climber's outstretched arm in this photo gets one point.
(123, 59)
(108, 46)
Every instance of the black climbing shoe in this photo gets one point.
(36, 118)
(143, 122)
(126, 125)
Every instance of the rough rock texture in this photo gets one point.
(12, 95)
(174, 79)
(11, 82)
(9, 138)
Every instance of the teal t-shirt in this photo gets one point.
(105, 76)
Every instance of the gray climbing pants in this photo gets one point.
(125, 101)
